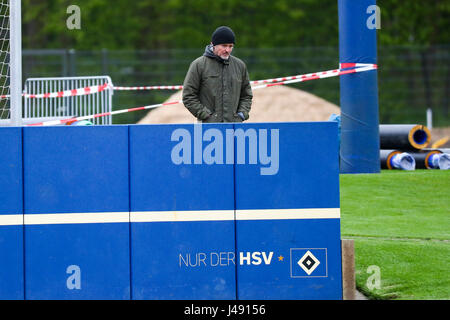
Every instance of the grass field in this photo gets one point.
(400, 222)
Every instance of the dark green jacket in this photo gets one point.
(215, 90)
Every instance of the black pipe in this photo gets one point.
(386, 157)
(443, 150)
(395, 159)
(424, 159)
(404, 136)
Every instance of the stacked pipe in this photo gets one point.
(433, 159)
(403, 146)
(395, 159)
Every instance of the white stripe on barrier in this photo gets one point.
(11, 219)
(169, 216)
(175, 216)
(288, 214)
(77, 218)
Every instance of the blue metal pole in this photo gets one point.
(360, 151)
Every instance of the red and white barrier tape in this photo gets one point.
(65, 93)
(72, 120)
(314, 76)
(149, 88)
(356, 67)
(301, 77)
(69, 93)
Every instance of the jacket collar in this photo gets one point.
(210, 54)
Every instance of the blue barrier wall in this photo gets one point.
(176, 242)
(276, 216)
(217, 211)
(71, 175)
(11, 214)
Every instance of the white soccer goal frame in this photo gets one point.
(15, 62)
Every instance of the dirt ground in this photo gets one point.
(273, 104)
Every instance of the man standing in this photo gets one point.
(217, 86)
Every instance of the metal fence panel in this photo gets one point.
(52, 108)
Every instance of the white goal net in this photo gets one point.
(4, 61)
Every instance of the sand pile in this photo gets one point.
(440, 135)
(273, 104)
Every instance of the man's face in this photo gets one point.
(223, 50)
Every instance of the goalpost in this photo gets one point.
(10, 63)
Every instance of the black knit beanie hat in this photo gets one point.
(222, 35)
